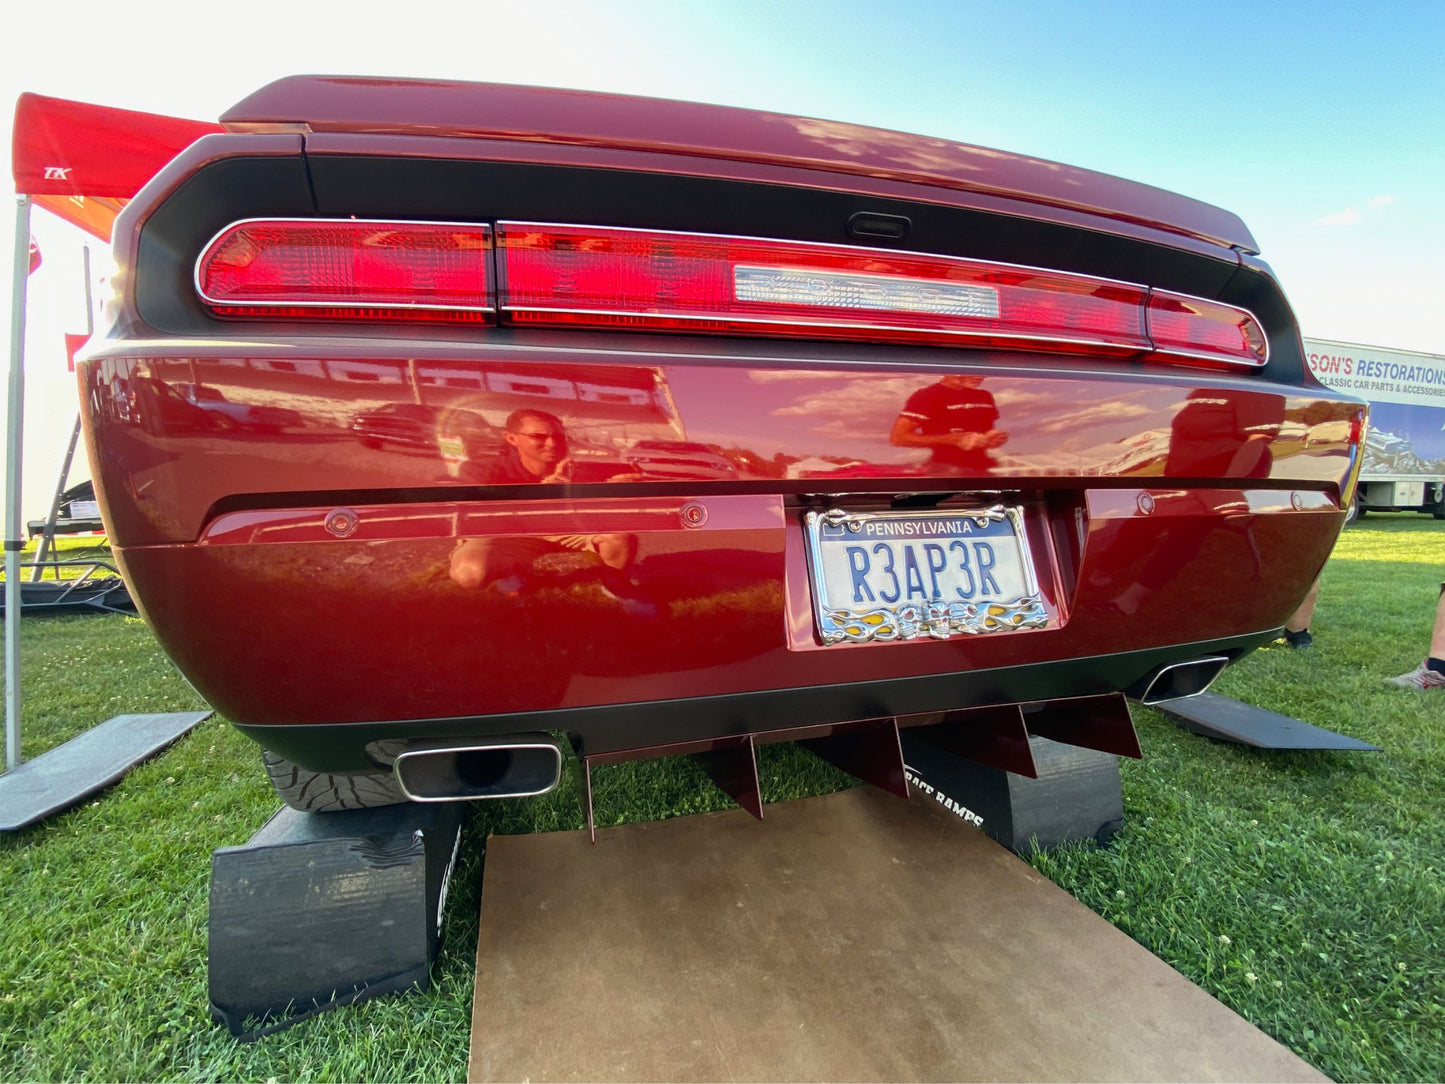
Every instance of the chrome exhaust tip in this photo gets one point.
(1183, 679)
(511, 766)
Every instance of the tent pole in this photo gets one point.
(46, 546)
(14, 433)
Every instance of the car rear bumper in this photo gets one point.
(309, 584)
(283, 626)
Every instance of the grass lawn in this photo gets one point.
(1303, 889)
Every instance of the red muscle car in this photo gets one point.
(794, 430)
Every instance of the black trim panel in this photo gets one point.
(175, 233)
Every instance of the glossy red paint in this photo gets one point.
(448, 530)
(376, 627)
(787, 423)
(730, 599)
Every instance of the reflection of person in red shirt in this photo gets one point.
(956, 419)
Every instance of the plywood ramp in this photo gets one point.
(851, 937)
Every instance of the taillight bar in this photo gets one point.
(349, 269)
(554, 274)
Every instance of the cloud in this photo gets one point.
(1095, 414)
(776, 376)
(1015, 397)
(858, 405)
(1353, 216)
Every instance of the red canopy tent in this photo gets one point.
(83, 163)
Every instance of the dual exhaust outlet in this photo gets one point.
(1180, 680)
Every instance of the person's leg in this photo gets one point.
(619, 578)
(617, 551)
(504, 561)
(1437, 635)
(1430, 674)
(1297, 628)
(1300, 620)
(469, 563)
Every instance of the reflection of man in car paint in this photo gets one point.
(536, 453)
(955, 419)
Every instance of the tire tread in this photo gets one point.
(320, 792)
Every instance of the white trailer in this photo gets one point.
(1404, 451)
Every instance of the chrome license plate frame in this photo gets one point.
(921, 606)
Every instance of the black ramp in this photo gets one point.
(1076, 795)
(1217, 716)
(72, 772)
(321, 910)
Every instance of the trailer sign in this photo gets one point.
(1404, 457)
(1381, 376)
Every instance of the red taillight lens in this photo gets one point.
(594, 276)
(643, 279)
(349, 269)
(1191, 328)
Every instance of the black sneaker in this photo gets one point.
(1299, 640)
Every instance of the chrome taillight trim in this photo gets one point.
(1165, 355)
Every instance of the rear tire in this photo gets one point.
(318, 792)
(1357, 509)
(1438, 508)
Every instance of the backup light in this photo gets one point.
(831, 289)
(349, 269)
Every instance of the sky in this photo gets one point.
(1321, 124)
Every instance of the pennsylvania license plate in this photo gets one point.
(880, 576)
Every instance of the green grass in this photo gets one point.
(1305, 890)
(1302, 889)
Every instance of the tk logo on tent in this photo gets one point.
(58, 173)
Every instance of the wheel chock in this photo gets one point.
(325, 909)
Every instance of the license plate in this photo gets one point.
(879, 576)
